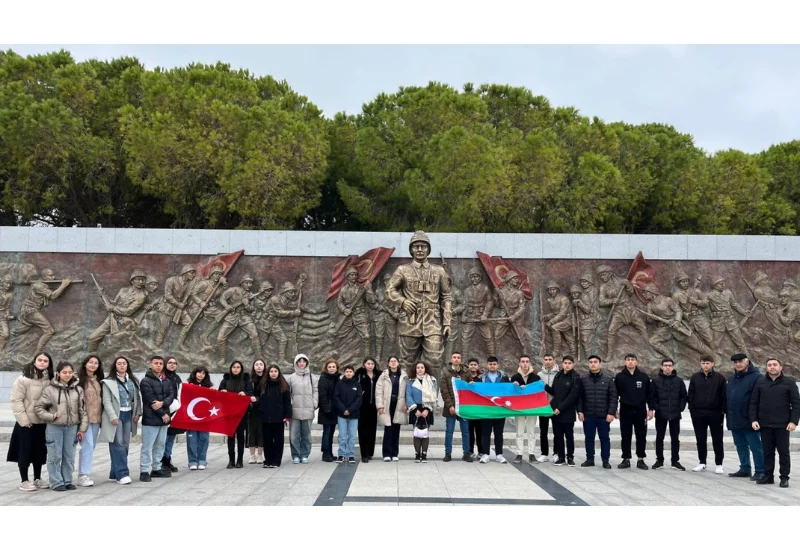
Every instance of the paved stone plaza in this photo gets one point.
(405, 483)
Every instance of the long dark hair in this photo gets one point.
(83, 374)
(206, 383)
(376, 370)
(112, 370)
(30, 370)
(253, 374)
(235, 384)
(412, 372)
(284, 385)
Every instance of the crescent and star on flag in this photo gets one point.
(213, 411)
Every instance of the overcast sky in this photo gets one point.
(742, 97)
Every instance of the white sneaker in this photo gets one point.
(260, 459)
(304, 460)
(296, 460)
(395, 459)
(193, 467)
(719, 470)
(484, 459)
(41, 484)
(201, 467)
(387, 459)
(252, 459)
(84, 481)
(501, 459)
(125, 480)
(28, 487)
(699, 468)
(544, 458)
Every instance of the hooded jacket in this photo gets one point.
(326, 387)
(383, 399)
(446, 386)
(598, 395)
(775, 403)
(155, 389)
(635, 389)
(347, 397)
(564, 393)
(24, 396)
(739, 392)
(304, 388)
(548, 376)
(669, 396)
(524, 380)
(66, 401)
(274, 405)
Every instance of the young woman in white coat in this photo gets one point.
(390, 400)
(122, 407)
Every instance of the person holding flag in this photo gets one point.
(197, 442)
(455, 370)
(496, 425)
(521, 378)
(237, 381)
(275, 404)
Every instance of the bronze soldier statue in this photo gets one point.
(693, 302)
(237, 305)
(615, 294)
(204, 296)
(38, 298)
(587, 318)
(282, 306)
(478, 305)
(513, 304)
(128, 302)
(768, 299)
(422, 292)
(722, 304)
(384, 317)
(6, 300)
(559, 321)
(352, 302)
(789, 314)
(176, 297)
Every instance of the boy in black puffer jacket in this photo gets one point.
(669, 400)
(347, 403)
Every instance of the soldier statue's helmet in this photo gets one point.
(760, 276)
(789, 282)
(681, 276)
(246, 277)
(350, 270)
(510, 275)
(603, 268)
(7, 279)
(217, 269)
(784, 292)
(553, 284)
(47, 272)
(475, 271)
(266, 285)
(717, 279)
(419, 237)
(587, 276)
(188, 268)
(287, 287)
(138, 273)
(575, 289)
(651, 288)
(149, 280)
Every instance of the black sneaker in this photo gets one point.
(447, 457)
(678, 466)
(417, 458)
(270, 466)
(766, 480)
(570, 462)
(231, 465)
(424, 458)
(739, 473)
(339, 459)
(559, 462)
(70, 487)
(328, 458)
(588, 463)
(626, 463)
(145, 477)
(467, 457)
(364, 459)
(784, 484)
(518, 459)
(756, 477)
(641, 465)
(658, 464)
(166, 464)
(351, 460)
(61, 488)
(160, 473)
(606, 465)
(532, 459)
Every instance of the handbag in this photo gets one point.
(421, 432)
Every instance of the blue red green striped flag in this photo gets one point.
(483, 400)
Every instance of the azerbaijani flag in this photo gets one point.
(485, 400)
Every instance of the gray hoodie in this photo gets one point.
(547, 377)
(303, 386)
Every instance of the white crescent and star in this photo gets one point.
(507, 403)
(193, 403)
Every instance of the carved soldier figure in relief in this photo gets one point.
(693, 302)
(587, 317)
(38, 298)
(353, 302)
(454, 341)
(513, 304)
(616, 294)
(282, 306)
(126, 304)
(6, 300)
(667, 317)
(237, 304)
(478, 305)
(384, 317)
(422, 292)
(560, 320)
(204, 296)
(176, 297)
(768, 299)
(789, 314)
(722, 304)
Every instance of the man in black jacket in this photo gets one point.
(635, 390)
(669, 400)
(775, 411)
(157, 396)
(566, 390)
(596, 407)
(707, 404)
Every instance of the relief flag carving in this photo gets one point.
(369, 265)
(498, 268)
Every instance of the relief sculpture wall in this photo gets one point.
(210, 310)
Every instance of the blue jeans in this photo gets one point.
(61, 441)
(592, 425)
(87, 449)
(154, 438)
(450, 427)
(118, 449)
(748, 441)
(327, 439)
(348, 428)
(196, 447)
(168, 445)
(300, 438)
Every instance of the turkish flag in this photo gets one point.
(368, 265)
(497, 268)
(225, 261)
(641, 274)
(209, 410)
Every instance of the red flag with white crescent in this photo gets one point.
(368, 265)
(641, 274)
(497, 268)
(225, 261)
(209, 410)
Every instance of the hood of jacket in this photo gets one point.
(69, 385)
(301, 356)
(526, 376)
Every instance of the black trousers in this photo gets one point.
(772, 439)
(702, 422)
(674, 437)
(391, 434)
(476, 437)
(562, 431)
(633, 420)
(272, 433)
(544, 424)
(367, 427)
(240, 441)
(495, 425)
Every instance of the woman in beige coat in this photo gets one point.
(28, 445)
(122, 407)
(390, 400)
(63, 406)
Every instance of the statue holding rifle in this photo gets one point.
(125, 305)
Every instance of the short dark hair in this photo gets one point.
(667, 360)
(64, 364)
(491, 359)
(631, 356)
(153, 358)
(706, 359)
(594, 357)
(546, 355)
(349, 367)
(568, 358)
(773, 359)
(454, 352)
(473, 360)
